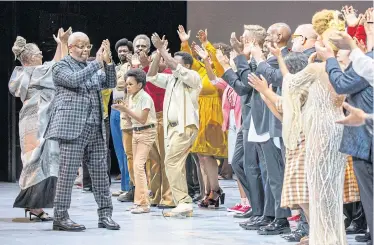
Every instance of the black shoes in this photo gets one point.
(256, 223)
(364, 238)
(67, 225)
(354, 228)
(278, 226)
(245, 215)
(108, 223)
(295, 236)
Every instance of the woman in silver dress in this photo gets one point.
(32, 83)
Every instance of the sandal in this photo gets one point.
(43, 216)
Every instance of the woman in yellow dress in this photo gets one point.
(211, 141)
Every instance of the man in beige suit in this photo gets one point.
(181, 118)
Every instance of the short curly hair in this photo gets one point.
(226, 49)
(144, 37)
(138, 74)
(124, 42)
(186, 57)
(321, 20)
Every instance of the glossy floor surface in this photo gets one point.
(207, 227)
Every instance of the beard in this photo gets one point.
(122, 58)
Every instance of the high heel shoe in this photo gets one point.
(40, 216)
(205, 202)
(215, 198)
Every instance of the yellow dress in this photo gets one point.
(211, 140)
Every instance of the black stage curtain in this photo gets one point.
(38, 21)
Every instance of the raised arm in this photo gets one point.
(203, 37)
(272, 75)
(109, 68)
(203, 53)
(232, 77)
(267, 94)
(62, 44)
(185, 47)
(189, 77)
(64, 76)
(110, 77)
(363, 65)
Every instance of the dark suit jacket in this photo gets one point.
(71, 105)
(244, 92)
(259, 111)
(270, 70)
(357, 141)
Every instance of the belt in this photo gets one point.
(173, 124)
(137, 129)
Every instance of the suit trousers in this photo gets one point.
(159, 183)
(245, 164)
(364, 174)
(271, 155)
(142, 142)
(86, 175)
(127, 145)
(115, 129)
(177, 150)
(90, 149)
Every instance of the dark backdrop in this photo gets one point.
(37, 21)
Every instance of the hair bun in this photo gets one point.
(19, 46)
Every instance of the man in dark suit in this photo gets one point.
(245, 161)
(77, 123)
(357, 141)
(267, 133)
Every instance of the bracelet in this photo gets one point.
(369, 22)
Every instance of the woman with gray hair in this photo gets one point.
(32, 83)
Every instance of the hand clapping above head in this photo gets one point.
(222, 59)
(183, 36)
(201, 52)
(235, 43)
(157, 41)
(202, 36)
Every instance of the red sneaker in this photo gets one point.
(244, 209)
(294, 218)
(235, 209)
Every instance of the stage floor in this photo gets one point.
(207, 227)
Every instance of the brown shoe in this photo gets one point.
(118, 177)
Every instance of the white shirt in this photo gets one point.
(187, 89)
(140, 102)
(254, 137)
(363, 65)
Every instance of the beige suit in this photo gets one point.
(186, 84)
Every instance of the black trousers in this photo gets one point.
(364, 174)
(192, 176)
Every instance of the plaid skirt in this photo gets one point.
(351, 191)
(295, 185)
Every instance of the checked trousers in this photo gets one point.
(89, 148)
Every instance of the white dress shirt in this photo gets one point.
(363, 65)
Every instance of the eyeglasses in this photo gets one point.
(296, 36)
(89, 46)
